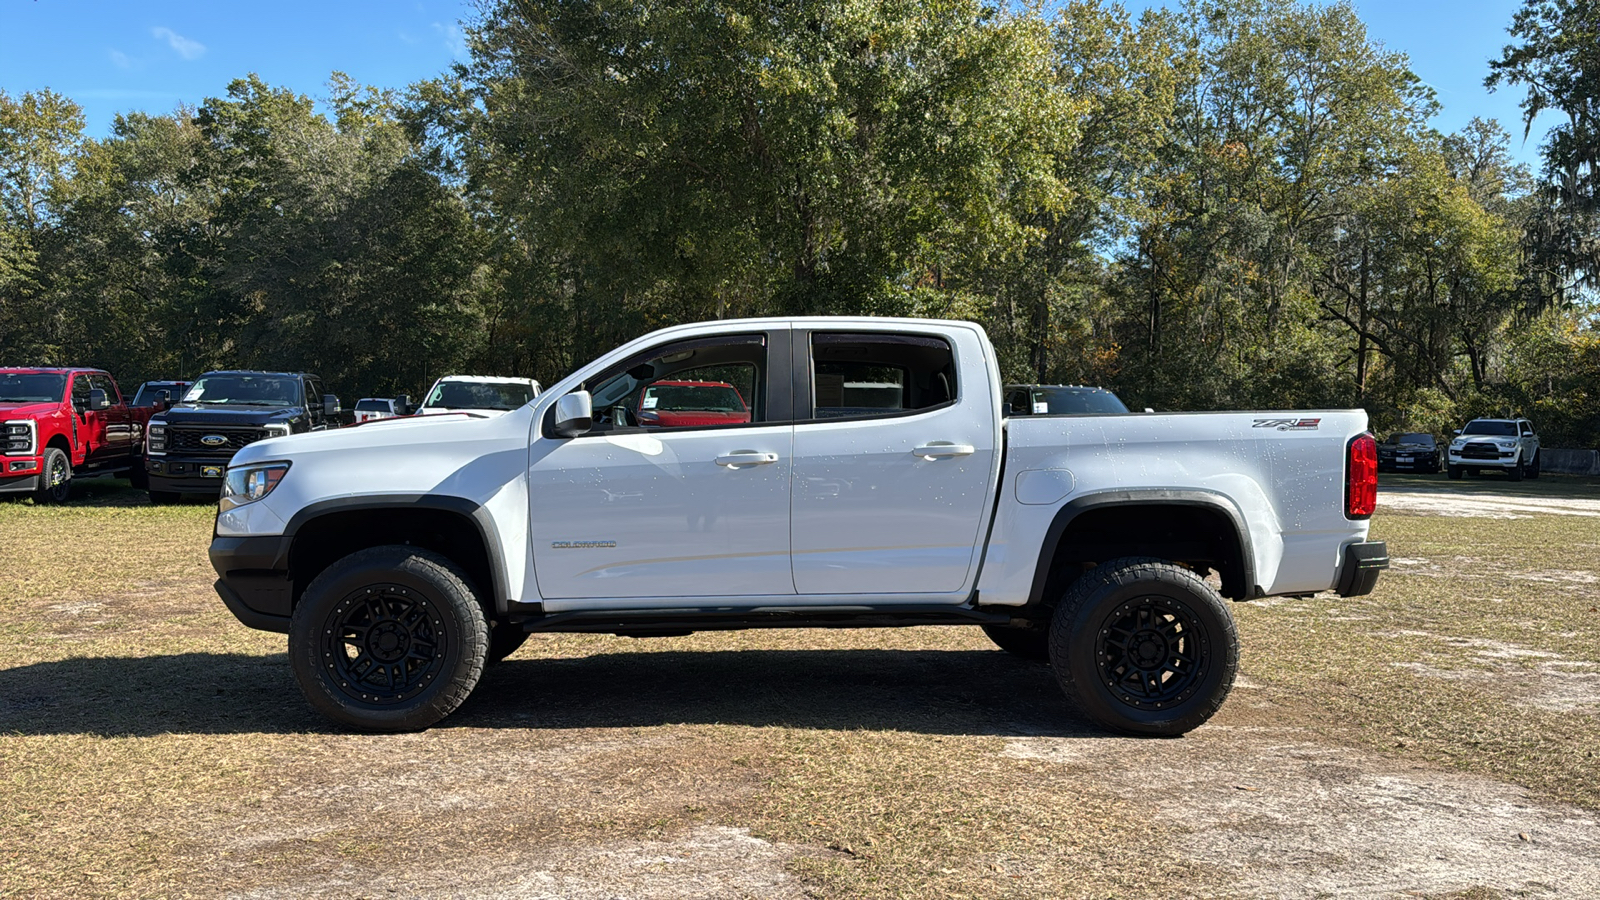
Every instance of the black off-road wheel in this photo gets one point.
(1533, 467)
(1025, 643)
(1516, 471)
(1144, 647)
(388, 639)
(1455, 472)
(504, 640)
(55, 478)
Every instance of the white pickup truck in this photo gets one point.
(403, 557)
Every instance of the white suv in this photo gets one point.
(1507, 444)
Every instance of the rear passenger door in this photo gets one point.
(893, 462)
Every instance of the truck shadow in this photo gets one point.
(926, 691)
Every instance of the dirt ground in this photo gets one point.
(1436, 739)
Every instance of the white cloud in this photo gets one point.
(121, 60)
(454, 40)
(181, 45)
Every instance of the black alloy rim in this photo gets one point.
(384, 644)
(1151, 652)
(56, 479)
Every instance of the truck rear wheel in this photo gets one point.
(1143, 646)
(388, 639)
(55, 477)
(1026, 643)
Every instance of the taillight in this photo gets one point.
(1361, 477)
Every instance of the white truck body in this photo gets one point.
(948, 508)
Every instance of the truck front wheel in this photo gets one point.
(388, 639)
(55, 477)
(1144, 647)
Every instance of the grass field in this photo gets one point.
(1437, 738)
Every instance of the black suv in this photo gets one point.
(187, 447)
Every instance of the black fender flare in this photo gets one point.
(1209, 500)
(470, 510)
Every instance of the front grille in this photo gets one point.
(187, 439)
(1480, 451)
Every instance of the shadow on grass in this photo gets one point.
(925, 691)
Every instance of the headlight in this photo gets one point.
(155, 438)
(247, 484)
(1506, 445)
(276, 429)
(19, 438)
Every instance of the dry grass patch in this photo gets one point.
(145, 736)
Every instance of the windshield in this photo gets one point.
(1056, 401)
(1487, 426)
(151, 389)
(35, 388)
(705, 397)
(373, 406)
(245, 390)
(479, 395)
(1412, 438)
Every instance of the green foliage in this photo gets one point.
(1239, 203)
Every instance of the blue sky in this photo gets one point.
(151, 55)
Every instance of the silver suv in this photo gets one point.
(1506, 444)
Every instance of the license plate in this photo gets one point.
(211, 471)
(1403, 459)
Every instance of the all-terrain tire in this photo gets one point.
(55, 478)
(1455, 472)
(388, 639)
(1515, 473)
(139, 476)
(1533, 467)
(1143, 646)
(1025, 643)
(504, 640)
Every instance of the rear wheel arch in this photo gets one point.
(1204, 528)
(456, 528)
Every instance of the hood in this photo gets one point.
(187, 414)
(27, 410)
(464, 434)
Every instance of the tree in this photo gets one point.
(1558, 63)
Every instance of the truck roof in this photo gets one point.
(258, 372)
(50, 370)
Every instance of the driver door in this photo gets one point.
(694, 505)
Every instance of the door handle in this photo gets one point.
(746, 458)
(943, 450)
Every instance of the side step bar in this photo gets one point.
(673, 622)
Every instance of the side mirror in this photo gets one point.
(163, 401)
(574, 414)
(97, 399)
(330, 405)
(402, 405)
(1457, 431)
(1148, 410)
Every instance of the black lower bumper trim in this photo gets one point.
(254, 579)
(25, 484)
(1362, 563)
(250, 617)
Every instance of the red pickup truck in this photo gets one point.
(62, 423)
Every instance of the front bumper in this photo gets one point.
(254, 579)
(186, 475)
(1362, 563)
(21, 484)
